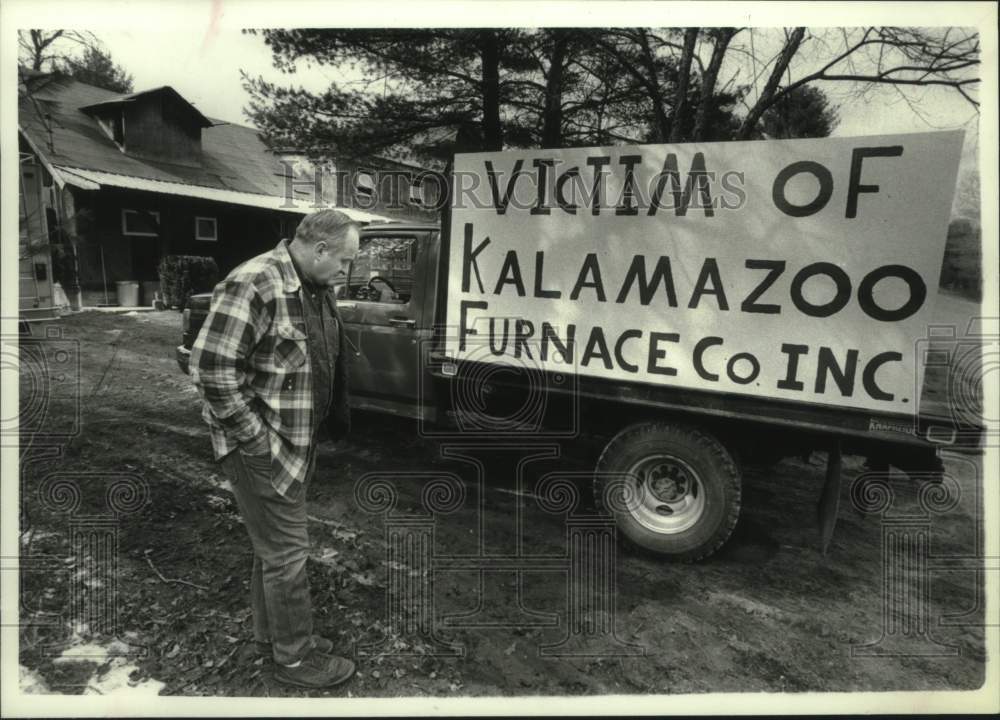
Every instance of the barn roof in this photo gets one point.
(234, 158)
(166, 91)
(95, 179)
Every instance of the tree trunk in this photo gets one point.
(767, 94)
(653, 83)
(36, 44)
(40, 41)
(552, 120)
(683, 81)
(492, 129)
(708, 80)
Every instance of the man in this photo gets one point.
(269, 366)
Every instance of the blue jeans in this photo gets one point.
(279, 532)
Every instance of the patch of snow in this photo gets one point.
(112, 669)
(33, 535)
(749, 606)
(327, 557)
(30, 682)
(87, 652)
(220, 482)
(116, 681)
(218, 503)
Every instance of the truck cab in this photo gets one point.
(387, 305)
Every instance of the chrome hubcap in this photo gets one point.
(667, 495)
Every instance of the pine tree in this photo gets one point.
(95, 67)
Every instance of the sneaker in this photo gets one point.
(316, 671)
(320, 644)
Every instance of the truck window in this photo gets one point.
(382, 271)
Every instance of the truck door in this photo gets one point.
(386, 319)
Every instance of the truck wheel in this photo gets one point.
(673, 489)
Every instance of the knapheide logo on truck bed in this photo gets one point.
(883, 426)
(800, 270)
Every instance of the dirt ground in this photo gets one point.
(767, 613)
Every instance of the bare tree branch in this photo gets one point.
(901, 57)
(683, 81)
(723, 37)
(766, 98)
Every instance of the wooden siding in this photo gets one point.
(242, 233)
(156, 130)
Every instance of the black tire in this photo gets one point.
(702, 461)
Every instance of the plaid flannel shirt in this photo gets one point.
(251, 366)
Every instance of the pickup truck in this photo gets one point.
(671, 469)
(388, 305)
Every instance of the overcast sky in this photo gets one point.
(206, 70)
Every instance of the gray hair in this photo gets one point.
(329, 225)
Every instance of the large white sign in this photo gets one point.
(798, 269)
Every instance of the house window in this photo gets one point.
(287, 227)
(206, 228)
(365, 183)
(142, 223)
(429, 188)
(417, 192)
(382, 271)
(118, 128)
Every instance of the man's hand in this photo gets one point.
(258, 445)
(237, 320)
